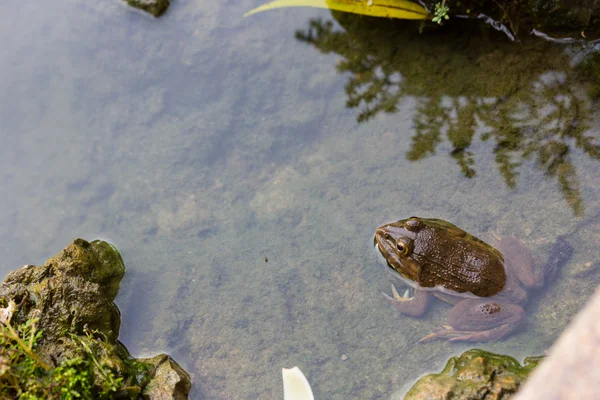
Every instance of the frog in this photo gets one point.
(486, 285)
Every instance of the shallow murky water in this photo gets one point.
(203, 144)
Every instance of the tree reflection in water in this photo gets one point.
(529, 99)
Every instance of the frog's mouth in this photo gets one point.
(385, 248)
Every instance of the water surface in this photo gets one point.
(203, 144)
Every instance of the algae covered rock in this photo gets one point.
(474, 375)
(170, 381)
(154, 7)
(73, 290)
(68, 301)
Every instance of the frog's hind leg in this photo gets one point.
(560, 253)
(479, 320)
(414, 306)
(520, 261)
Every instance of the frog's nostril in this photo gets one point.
(382, 233)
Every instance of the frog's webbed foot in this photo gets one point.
(479, 320)
(414, 306)
(560, 253)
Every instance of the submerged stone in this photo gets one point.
(72, 296)
(170, 381)
(474, 375)
(154, 7)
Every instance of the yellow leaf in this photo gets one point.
(402, 9)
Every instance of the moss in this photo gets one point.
(75, 288)
(66, 345)
(475, 374)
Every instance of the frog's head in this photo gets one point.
(395, 242)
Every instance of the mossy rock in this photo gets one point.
(71, 297)
(474, 375)
(72, 290)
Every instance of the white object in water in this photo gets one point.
(295, 385)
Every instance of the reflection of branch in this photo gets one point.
(556, 159)
(461, 135)
(377, 87)
(567, 123)
(431, 118)
(508, 142)
(550, 119)
(567, 178)
(378, 94)
(429, 123)
(374, 85)
(537, 116)
(319, 34)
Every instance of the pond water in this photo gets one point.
(241, 166)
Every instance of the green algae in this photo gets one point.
(73, 348)
(475, 375)
(75, 289)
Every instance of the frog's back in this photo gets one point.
(457, 261)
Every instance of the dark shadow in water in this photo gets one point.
(471, 84)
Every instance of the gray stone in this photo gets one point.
(572, 369)
(170, 381)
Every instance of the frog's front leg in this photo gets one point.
(414, 306)
(479, 320)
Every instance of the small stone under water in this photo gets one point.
(154, 7)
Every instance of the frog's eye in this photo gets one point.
(402, 247)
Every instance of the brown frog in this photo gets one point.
(487, 285)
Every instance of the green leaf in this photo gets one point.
(401, 9)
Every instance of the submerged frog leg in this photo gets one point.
(526, 267)
(560, 253)
(414, 306)
(521, 262)
(479, 320)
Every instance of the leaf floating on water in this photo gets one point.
(401, 9)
